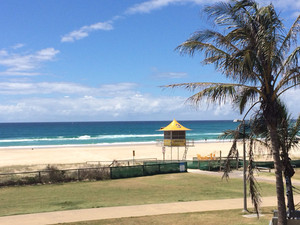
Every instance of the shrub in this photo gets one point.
(53, 175)
(97, 173)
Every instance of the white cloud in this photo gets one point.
(151, 5)
(72, 102)
(25, 64)
(87, 108)
(292, 98)
(26, 88)
(86, 30)
(171, 75)
(125, 107)
(3, 53)
(296, 14)
(144, 7)
(148, 6)
(19, 45)
(285, 4)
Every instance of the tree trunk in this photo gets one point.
(290, 197)
(282, 218)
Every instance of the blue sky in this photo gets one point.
(104, 60)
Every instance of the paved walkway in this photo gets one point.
(239, 174)
(133, 211)
(130, 211)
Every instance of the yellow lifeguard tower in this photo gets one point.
(175, 136)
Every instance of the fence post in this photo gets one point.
(237, 160)
(220, 160)
(40, 179)
(78, 174)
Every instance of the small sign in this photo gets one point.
(182, 167)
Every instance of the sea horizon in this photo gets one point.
(108, 121)
(103, 133)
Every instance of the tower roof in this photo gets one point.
(174, 126)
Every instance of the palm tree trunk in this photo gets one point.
(282, 220)
(290, 197)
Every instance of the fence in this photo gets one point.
(116, 169)
(53, 175)
(214, 164)
(149, 168)
(126, 162)
(218, 164)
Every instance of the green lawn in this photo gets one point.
(134, 191)
(232, 217)
(295, 177)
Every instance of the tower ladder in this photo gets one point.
(185, 153)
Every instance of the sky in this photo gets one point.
(106, 60)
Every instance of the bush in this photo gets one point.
(98, 173)
(53, 175)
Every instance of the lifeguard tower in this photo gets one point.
(175, 136)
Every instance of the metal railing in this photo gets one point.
(188, 142)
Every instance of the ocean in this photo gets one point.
(102, 133)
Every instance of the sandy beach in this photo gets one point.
(82, 154)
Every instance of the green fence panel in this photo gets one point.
(211, 165)
(151, 162)
(169, 168)
(193, 164)
(295, 163)
(268, 164)
(126, 171)
(148, 169)
(214, 165)
(151, 169)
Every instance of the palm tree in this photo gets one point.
(261, 59)
(257, 132)
(287, 131)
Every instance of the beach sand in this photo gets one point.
(82, 154)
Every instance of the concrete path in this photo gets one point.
(260, 177)
(138, 210)
(130, 211)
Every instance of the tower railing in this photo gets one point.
(188, 143)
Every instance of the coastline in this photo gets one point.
(15, 156)
(80, 154)
(104, 144)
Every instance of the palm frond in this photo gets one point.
(231, 134)
(292, 134)
(291, 36)
(246, 95)
(220, 92)
(289, 68)
(254, 188)
(233, 153)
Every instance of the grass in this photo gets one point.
(134, 191)
(28, 168)
(296, 176)
(232, 217)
